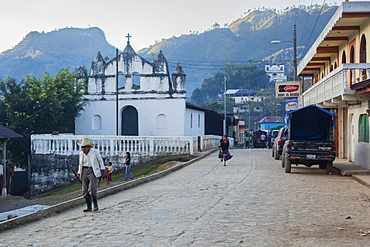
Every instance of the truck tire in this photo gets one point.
(277, 156)
(288, 165)
(322, 165)
(329, 167)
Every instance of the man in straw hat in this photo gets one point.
(90, 163)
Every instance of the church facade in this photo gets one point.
(131, 96)
(276, 73)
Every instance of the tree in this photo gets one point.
(219, 107)
(271, 106)
(39, 105)
(247, 76)
(215, 25)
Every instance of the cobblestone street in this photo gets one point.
(250, 202)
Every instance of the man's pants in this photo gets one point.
(89, 182)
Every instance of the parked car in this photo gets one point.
(277, 145)
(274, 134)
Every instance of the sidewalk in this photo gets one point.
(345, 168)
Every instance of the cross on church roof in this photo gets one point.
(128, 38)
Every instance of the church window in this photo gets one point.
(161, 121)
(136, 81)
(121, 80)
(198, 120)
(191, 120)
(96, 122)
(364, 128)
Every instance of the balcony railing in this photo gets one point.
(118, 145)
(336, 85)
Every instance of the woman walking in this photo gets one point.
(224, 149)
(128, 166)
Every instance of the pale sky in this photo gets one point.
(145, 20)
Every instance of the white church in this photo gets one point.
(276, 72)
(148, 100)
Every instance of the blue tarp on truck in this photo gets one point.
(309, 123)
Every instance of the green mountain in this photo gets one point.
(49, 52)
(200, 54)
(248, 38)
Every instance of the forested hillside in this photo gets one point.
(244, 41)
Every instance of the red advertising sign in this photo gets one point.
(287, 89)
(291, 88)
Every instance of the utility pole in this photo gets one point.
(116, 91)
(295, 52)
(224, 131)
(4, 191)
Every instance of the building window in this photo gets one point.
(136, 81)
(198, 120)
(96, 122)
(191, 120)
(364, 128)
(363, 49)
(161, 121)
(363, 55)
(121, 80)
(344, 59)
(352, 55)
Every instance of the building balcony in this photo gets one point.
(334, 90)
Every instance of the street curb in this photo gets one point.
(359, 180)
(63, 206)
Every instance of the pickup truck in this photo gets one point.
(310, 138)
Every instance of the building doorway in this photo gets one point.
(129, 120)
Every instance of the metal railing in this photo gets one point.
(337, 83)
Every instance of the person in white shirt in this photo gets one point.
(263, 140)
(90, 164)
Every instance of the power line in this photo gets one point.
(305, 23)
(317, 19)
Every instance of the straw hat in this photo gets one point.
(85, 142)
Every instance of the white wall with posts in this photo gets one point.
(118, 145)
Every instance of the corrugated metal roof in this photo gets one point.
(7, 133)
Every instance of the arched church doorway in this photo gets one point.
(129, 120)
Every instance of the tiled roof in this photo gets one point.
(272, 120)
